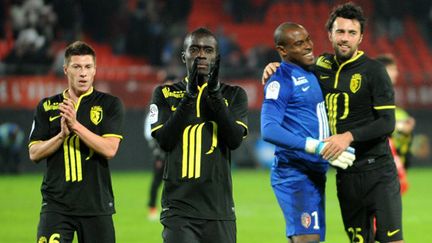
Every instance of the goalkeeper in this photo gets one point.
(293, 117)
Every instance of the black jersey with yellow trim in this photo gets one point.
(77, 180)
(197, 174)
(357, 92)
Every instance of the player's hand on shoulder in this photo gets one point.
(269, 70)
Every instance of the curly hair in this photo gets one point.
(347, 11)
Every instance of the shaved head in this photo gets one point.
(294, 44)
(280, 37)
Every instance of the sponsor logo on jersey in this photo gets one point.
(306, 220)
(153, 114)
(52, 118)
(324, 63)
(355, 83)
(48, 106)
(306, 88)
(96, 114)
(166, 91)
(391, 233)
(299, 81)
(272, 92)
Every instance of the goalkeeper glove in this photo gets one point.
(345, 159)
(192, 85)
(314, 146)
(213, 82)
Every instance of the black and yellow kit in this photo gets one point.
(77, 180)
(198, 135)
(359, 97)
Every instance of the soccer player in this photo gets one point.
(158, 164)
(293, 117)
(405, 124)
(360, 106)
(401, 138)
(198, 121)
(11, 141)
(77, 132)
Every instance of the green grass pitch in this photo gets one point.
(259, 219)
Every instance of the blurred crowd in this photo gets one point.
(154, 29)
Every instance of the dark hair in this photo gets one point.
(386, 59)
(78, 48)
(347, 11)
(199, 32)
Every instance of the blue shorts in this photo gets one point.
(302, 201)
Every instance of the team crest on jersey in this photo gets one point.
(355, 83)
(96, 114)
(306, 220)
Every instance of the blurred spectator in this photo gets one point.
(175, 11)
(259, 56)
(247, 10)
(421, 10)
(29, 55)
(33, 29)
(98, 18)
(158, 162)
(2, 19)
(421, 147)
(11, 141)
(388, 18)
(403, 133)
(69, 19)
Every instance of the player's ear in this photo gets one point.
(183, 57)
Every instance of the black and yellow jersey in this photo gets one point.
(77, 180)
(198, 135)
(359, 98)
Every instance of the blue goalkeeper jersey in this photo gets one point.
(294, 109)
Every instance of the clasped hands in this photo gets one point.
(68, 116)
(343, 160)
(213, 84)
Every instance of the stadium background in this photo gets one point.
(138, 43)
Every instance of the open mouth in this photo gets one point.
(344, 47)
(309, 55)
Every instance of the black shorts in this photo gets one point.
(55, 227)
(369, 195)
(178, 229)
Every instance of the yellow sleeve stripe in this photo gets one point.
(245, 126)
(34, 142)
(113, 135)
(156, 128)
(385, 107)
